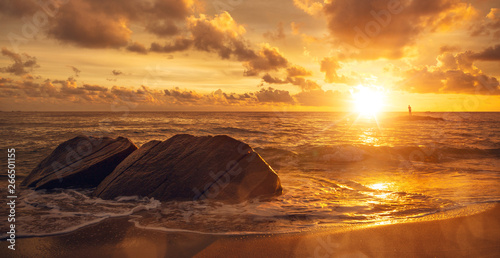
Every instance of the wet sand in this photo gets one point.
(475, 235)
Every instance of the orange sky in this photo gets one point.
(240, 55)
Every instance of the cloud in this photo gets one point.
(330, 66)
(304, 84)
(81, 23)
(489, 54)
(116, 72)
(23, 63)
(179, 44)
(136, 96)
(137, 47)
(489, 25)
(448, 48)
(274, 80)
(294, 76)
(268, 59)
(298, 71)
(320, 98)
(69, 91)
(89, 87)
(452, 74)
(5, 80)
(276, 35)
(104, 24)
(75, 70)
(163, 28)
(383, 28)
(183, 96)
(24, 89)
(221, 35)
(275, 96)
(311, 7)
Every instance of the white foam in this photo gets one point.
(64, 211)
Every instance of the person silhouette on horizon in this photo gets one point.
(409, 109)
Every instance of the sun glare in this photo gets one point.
(368, 100)
(379, 186)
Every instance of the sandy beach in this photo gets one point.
(475, 235)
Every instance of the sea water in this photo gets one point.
(336, 169)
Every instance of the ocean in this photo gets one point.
(336, 169)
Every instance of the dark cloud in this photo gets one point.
(273, 80)
(94, 88)
(294, 76)
(116, 72)
(219, 97)
(81, 23)
(304, 84)
(5, 80)
(183, 95)
(268, 59)
(23, 63)
(75, 70)
(179, 44)
(137, 47)
(103, 24)
(383, 28)
(221, 35)
(140, 95)
(275, 96)
(489, 54)
(164, 29)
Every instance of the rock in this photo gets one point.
(186, 167)
(80, 162)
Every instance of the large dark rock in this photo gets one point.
(80, 162)
(186, 167)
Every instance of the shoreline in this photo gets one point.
(477, 234)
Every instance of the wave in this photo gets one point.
(346, 154)
(310, 202)
(230, 130)
(66, 210)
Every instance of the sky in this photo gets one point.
(241, 55)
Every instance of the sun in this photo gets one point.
(368, 100)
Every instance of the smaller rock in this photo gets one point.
(80, 162)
